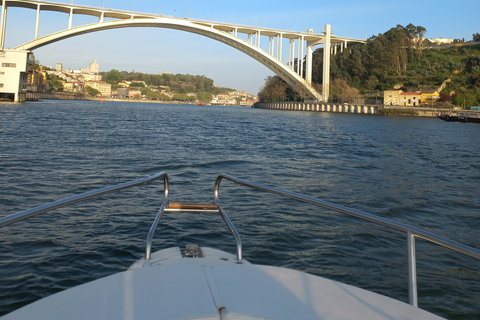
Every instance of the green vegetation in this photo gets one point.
(180, 84)
(55, 83)
(92, 91)
(400, 58)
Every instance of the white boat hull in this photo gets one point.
(215, 286)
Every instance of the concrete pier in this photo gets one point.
(319, 107)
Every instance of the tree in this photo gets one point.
(91, 91)
(113, 77)
(56, 84)
(340, 91)
(204, 96)
(476, 37)
(137, 84)
(274, 90)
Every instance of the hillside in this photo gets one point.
(400, 58)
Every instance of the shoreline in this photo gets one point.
(37, 96)
(286, 106)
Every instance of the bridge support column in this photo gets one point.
(301, 44)
(309, 63)
(37, 25)
(298, 56)
(290, 54)
(3, 25)
(279, 46)
(70, 19)
(326, 64)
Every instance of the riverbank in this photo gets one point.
(36, 96)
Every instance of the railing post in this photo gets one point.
(231, 227)
(151, 232)
(412, 270)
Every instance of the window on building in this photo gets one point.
(1, 85)
(9, 65)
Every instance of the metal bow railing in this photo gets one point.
(411, 232)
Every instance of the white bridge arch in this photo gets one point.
(226, 33)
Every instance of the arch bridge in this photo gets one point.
(296, 70)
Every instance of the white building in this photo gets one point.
(94, 67)
(104, 88)
(14, 74)
(441, 41)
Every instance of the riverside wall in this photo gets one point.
(358, 109)
(319, 107)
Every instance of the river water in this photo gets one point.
(418, 171)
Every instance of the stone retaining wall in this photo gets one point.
(320, 107)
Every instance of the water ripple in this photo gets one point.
(421, 172)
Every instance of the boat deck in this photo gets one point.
(217, 286)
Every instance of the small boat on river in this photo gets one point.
(460, 116)
(198, 282)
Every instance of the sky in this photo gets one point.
(156, 50)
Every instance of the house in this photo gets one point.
(391, 97)
(410, 99)
(430, 97)
(441, 41)
(73, 86)
(134, 94)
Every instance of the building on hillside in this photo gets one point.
(430, 96)
(59, 67)
(440, 41)
(73, 86)
(36, 81)
(391, 97)
(122, 92)
(104, 88)
(92, 77)
(134, 94)
(410, 99)
(14, 74)
(94, 67)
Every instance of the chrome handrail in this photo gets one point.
(412, 232)
(151, 232)
(231, 227)
(84, 196)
